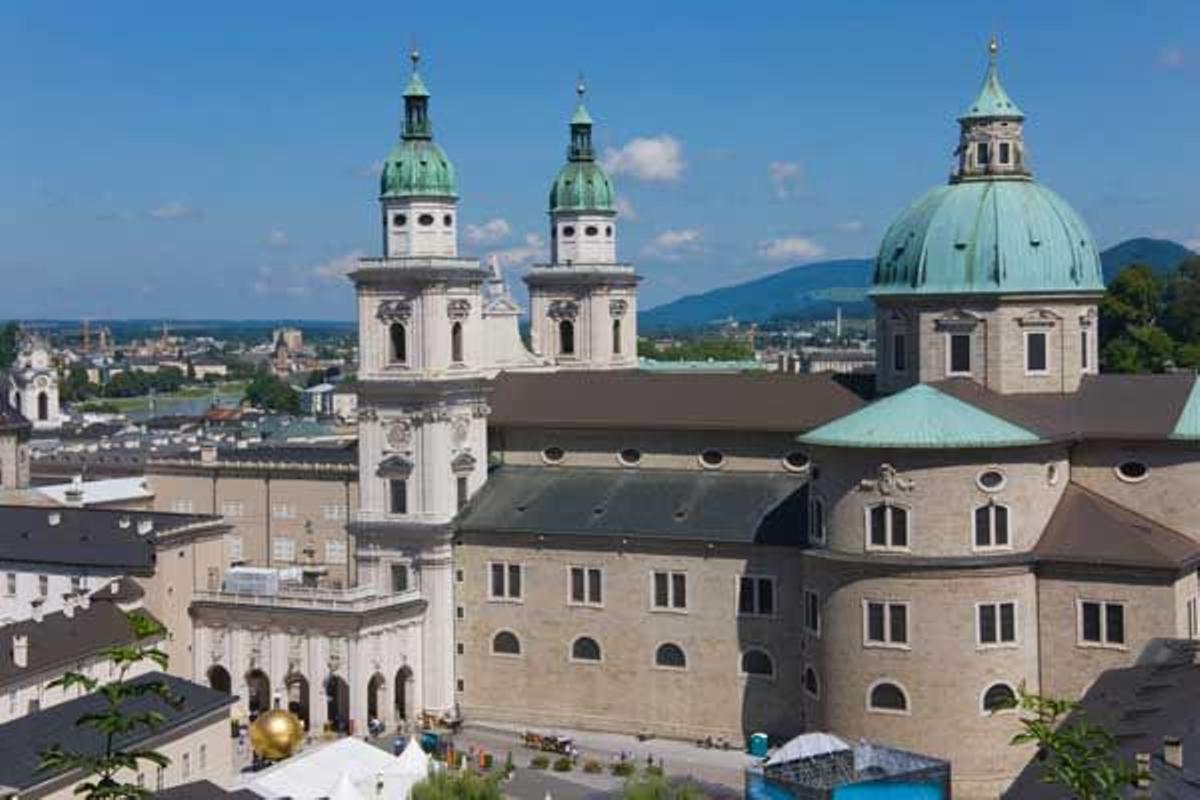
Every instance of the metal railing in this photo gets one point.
(359, 598)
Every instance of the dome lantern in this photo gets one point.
(417, 167)
(991, 133)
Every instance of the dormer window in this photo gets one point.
(983, 153)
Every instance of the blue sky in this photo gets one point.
(219, 159)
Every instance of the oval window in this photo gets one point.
(991, 480)
(425, 219)
(1132, 471)
(608, 231)
(591, 230)
(447, 220)
(712, 458)
(553, 455)
(568, 230)
(399, 220)
(796, 461)
(629, 456)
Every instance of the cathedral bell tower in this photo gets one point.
(421, 390)
(583, 304)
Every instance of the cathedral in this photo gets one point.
(546, 536)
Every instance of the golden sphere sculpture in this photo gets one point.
(276, 734)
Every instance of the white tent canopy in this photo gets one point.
(317, 772)
(807, 745)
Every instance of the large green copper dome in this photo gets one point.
(988, 236)
(417, 168)
(581, 186)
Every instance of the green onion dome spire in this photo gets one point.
(581, 185)
(417, 167)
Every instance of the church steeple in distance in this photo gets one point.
(991, 137)
(416, 103)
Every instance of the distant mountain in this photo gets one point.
(814, 291)
(1161, 254)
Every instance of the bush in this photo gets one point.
(455, 785)
(593, 767)
(654, 771)
(539, 762)
(563, 764)
(623, 769)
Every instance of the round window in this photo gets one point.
(447, 220)
(553, 455)
(712, 458)
(1132, 471)
(568, 230)
(629, 456)
(425, 219)
(399, 220)
(796, 461)
(991, 480)
(591, 230)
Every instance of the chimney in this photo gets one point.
(123, 523)
(85, 601)
(55, 519)
(20, 650)
(68, 606)
(145, 526)
(1173, 751)
(74, 493)
(208, 454)
(1143, 770)
(38, 611)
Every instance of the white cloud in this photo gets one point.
(533, 248)
(625, 208)
(652, 158)
(673, 245)
(790, 248)
(174, 211)
(278, 238)
(370, 170)
(850, 226)
(490, 232)
(1172, 57)
(786, 177)
(337, 268)
(1193, 245)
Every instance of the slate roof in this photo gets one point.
(282, 454)
(696, 505)
(920, 417)
(636, 400)
(1159, 696)
(86, 537)
(60, 642)
(1087, 528)
(23, 740)
(203, 790)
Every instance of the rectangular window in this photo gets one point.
(1085, 349)
(461, 489)
(885, 624)
(235, 548)
(756, 596)
(399, 574)
(233, 508)
(187, 766)
(335, 552)
(1004, 152)
(505, 581)
(817, 521)
(43, 585)
(670, 591)
(76, 583)
(887, 527)
(899, 353)
(1102, 623)
(334, 512)
(160, 779)
(991, 526)
(182, 506)
(983, 154)
(283, 549)
(398, 491)
(959, 354)
(203, 756)
(283, 511)
(586, 586)
(1035, 353)
(1191, 618)
(11, 584)
(812, 612)
(997, 624)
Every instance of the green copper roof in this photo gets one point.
(581, 186)
(993, 102)
(581, 116)
(988, 236)
(417, 168)
(416, 87)
(1188, 425)
(920, 417)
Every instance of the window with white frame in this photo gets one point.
(958, 354)
(888, 698)
(996, 624)
(887, 527)
(991, 527)
(671, 656)
(669, 591)
(812, 612)
(586, 587)
(885, 623)
(399, 575)
(997, 698)
(1102, 623)
(1037, 353)
(333, 512)
(233, 508)
(283, 510)
(43, 585)
(504, 580)
(1085, 349)
(235, 548)
(10, 584)
(335, 552)
(756, 595)
(182, 505)
(187, 766)
(283, 549)
(816, 520)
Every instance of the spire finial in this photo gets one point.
(414, 55)
(993, 48)
(580, 87)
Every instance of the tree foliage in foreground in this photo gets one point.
(464, 785)
(103, 772)
(1149, 323)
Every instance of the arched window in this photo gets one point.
(999, 697)
(670, 655)
(399, 337)
(991, 526)
(885, 696)
(566, 337)
(585, 648)
(456, 343)
(43, 409)
(506, 643)
(887, 527)
(758, 662)
(811, 684)
(616, 337)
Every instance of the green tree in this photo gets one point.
(10, 336)
(658, 787)
(267, 391)
(115, 723)
(1147, 348)
(75, 386)
(1076, 755)
(1181, 302)
(463, 785)
(1134, 299)
(315, 378)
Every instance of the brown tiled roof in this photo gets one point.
(636, 400)
(1087, 528)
